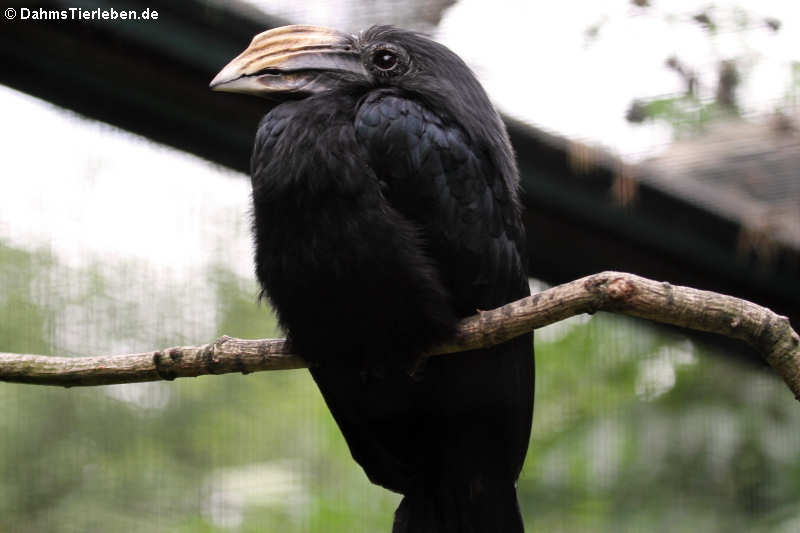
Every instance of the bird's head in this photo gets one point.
(297, 61)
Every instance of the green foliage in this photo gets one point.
(710, 94)
(635, 429)
(688, 115)
(792, 97)
(709, 445)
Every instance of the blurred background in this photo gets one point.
(656, 137)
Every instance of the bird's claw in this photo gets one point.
(416, 372)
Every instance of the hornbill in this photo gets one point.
(385, 203)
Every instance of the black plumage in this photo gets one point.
(385, 209)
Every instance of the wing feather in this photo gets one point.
(441, 179)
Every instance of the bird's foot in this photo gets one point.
(416, 371)
(394, 366)
(372, 370)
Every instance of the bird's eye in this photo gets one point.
(385, 60)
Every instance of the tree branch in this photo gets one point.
(616, 292)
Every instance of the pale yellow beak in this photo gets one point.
(291, 59)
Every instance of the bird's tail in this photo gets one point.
(475, 507)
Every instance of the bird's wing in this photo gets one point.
(447, 183)
(478, 412)
(325, 234)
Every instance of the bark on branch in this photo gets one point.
(616, 292)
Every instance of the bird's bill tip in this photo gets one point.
(231, 80)
(225, 77)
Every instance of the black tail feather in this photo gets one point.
(473, 507)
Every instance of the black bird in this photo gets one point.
(385, 201)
